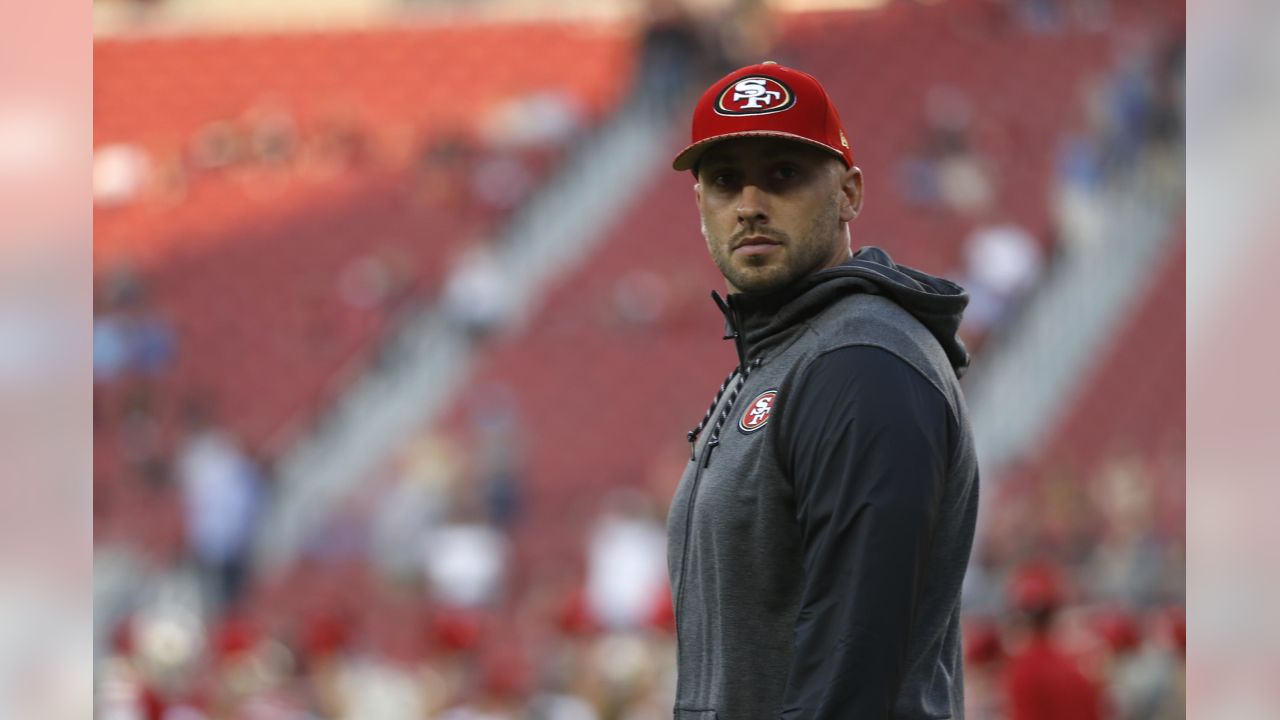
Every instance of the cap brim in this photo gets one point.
(689, 156)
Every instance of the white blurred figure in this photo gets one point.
(1143, 685)
(120, 172)
(543, 118)
(476, 298)
(559, 706)
(425, 474)
(221, 496)
(374, 690)
(467, 712)
(465, 563)
(465, 559)
(626, 562)
(1003, 264)
(157, 665)
(1142, 671)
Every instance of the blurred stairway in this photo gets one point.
(429, 360)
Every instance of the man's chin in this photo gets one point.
(760, 280)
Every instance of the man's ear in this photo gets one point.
(851, 189)
(697, 196)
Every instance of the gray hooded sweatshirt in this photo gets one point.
(820, 533)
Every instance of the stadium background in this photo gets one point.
(401, 317)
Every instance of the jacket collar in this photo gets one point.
(763, 323)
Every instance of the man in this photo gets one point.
(820, 533)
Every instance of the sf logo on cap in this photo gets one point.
(755, 95)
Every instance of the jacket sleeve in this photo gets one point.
(865, 439)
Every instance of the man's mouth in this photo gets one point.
(755, 245)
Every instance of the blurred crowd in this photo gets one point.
(482, 171)
(410, 603)
(1131, 124)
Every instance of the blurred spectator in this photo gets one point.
(498, 452)
(138, 435)
(946, 171)
(626, 561)
(984, 667)
(1038, 16)
(120, 172)
(156, 669)
(560, 706)
(1165, 129)
(672, 56)
(111, 348)
(417, 500)
(548, 119)
(217, 145)
(273, 133)
(376, 281)
(626, 672)
(745, 34)
(1128, 564)
(1003, 264)
(441, 164)
(222, 497)
(339, 144)
(1044, 681)
(153, 342)
(371, 686)
(130, 338)
(1078, 192)
(476, 299)
(465, 559)
(1141, 675)
(501, 181)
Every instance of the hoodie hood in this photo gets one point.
(759, 323)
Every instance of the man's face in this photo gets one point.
(774, 211)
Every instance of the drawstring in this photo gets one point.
(694, 433)
(724, 414)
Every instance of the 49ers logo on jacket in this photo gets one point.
(755, 95)
(758, 411)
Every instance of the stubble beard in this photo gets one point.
(794, 260)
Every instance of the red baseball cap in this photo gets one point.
(766, 100)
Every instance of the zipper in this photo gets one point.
(731, 327)
(702, 459)
(737, 341)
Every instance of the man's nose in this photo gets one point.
(753, 205)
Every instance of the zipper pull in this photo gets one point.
(706, 452)
(730, 330)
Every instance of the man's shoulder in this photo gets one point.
(867, 318)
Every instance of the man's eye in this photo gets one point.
(786, 172)
(722, 179)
